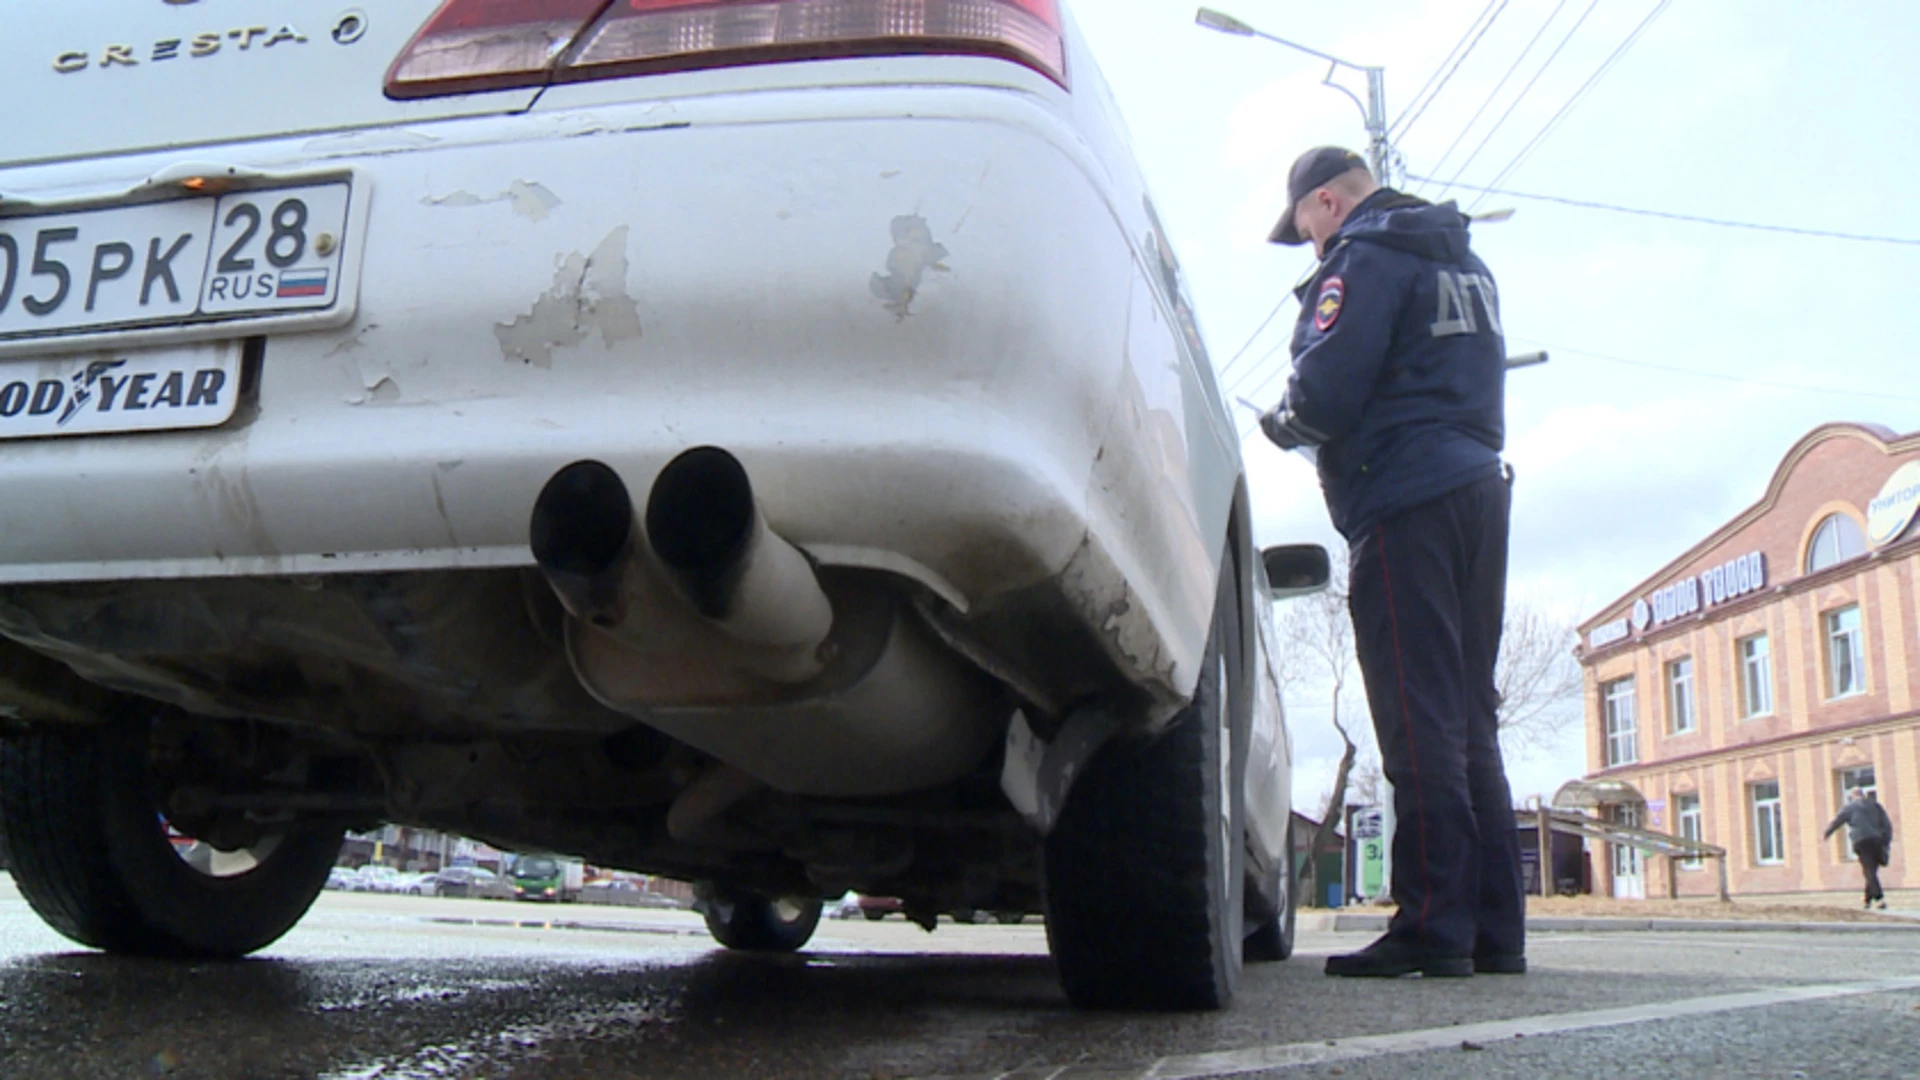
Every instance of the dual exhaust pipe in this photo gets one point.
(694, 617)
(698, 576)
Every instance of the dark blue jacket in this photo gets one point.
(1399, 364)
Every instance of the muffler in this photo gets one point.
(698, 619)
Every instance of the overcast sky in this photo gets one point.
(1784, 112)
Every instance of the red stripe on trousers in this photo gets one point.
(1406, 725)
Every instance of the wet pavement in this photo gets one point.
(401, 988)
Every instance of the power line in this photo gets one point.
(1255, 336)
(1428, 85)
(1592, 80)
(1250, 389)
(1497, 87)
(1671, 369)
(1220, 373)
(1522, 96)
(1694, 218)
(1410, 121)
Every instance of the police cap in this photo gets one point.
(1311, 171)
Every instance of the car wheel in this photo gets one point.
(1009, 918)
(749, 922)
(92, 853)
(873, 914)
(1144, 871)
(1272, 937)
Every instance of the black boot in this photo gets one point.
(1499, 963)
(1390, 959)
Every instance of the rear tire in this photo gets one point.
(1144, 871)
(91, 854)
(749, 922)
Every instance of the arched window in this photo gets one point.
(1836, 540)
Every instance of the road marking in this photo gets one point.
(1741, 943)
(1295, 1055)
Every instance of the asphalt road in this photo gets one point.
(402, 988)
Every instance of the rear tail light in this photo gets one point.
(642, 35)
(473, 45)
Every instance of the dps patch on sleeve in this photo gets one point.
(1326, 308)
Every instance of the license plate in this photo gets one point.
(244, 253)
(186, 386)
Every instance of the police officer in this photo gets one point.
(1399, 371)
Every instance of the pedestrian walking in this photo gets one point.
(1399, 371)
(1870, 831)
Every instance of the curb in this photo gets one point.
(1338, 922)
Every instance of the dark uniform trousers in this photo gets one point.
(1428, 595)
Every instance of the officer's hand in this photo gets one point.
(1276, 431)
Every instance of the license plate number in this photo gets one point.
(243, 253)
(187, 386)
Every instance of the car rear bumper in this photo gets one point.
(931, 341)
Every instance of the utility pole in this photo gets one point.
(1378, 150)
(1373, 111)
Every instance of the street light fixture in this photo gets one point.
(1373, 110)
(1223, 22)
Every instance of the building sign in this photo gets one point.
(1718, 585)
(1371, 872)
(1889, 514)
(1607, 633)
(1729, 581)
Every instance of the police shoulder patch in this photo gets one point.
(1326, 307)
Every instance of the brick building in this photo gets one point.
(1736, 694)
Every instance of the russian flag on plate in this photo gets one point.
(297, 283)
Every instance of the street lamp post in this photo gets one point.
(1373, 110)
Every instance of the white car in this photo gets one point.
(761, 443)
(380, 879)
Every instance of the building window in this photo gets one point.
(1756, 677)
(1836, 540)
(1861, 779)
(1769, 831)
(1846, 660)
(1623, 746)
(1680, 713)
(1687, 811)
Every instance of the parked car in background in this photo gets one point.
(764, 444)
(340, 878)
(470, 882)
(374, 878)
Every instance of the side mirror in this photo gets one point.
(1296, 570)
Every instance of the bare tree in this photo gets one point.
(1537, 676)
(1368, 781)
(1316, 645)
